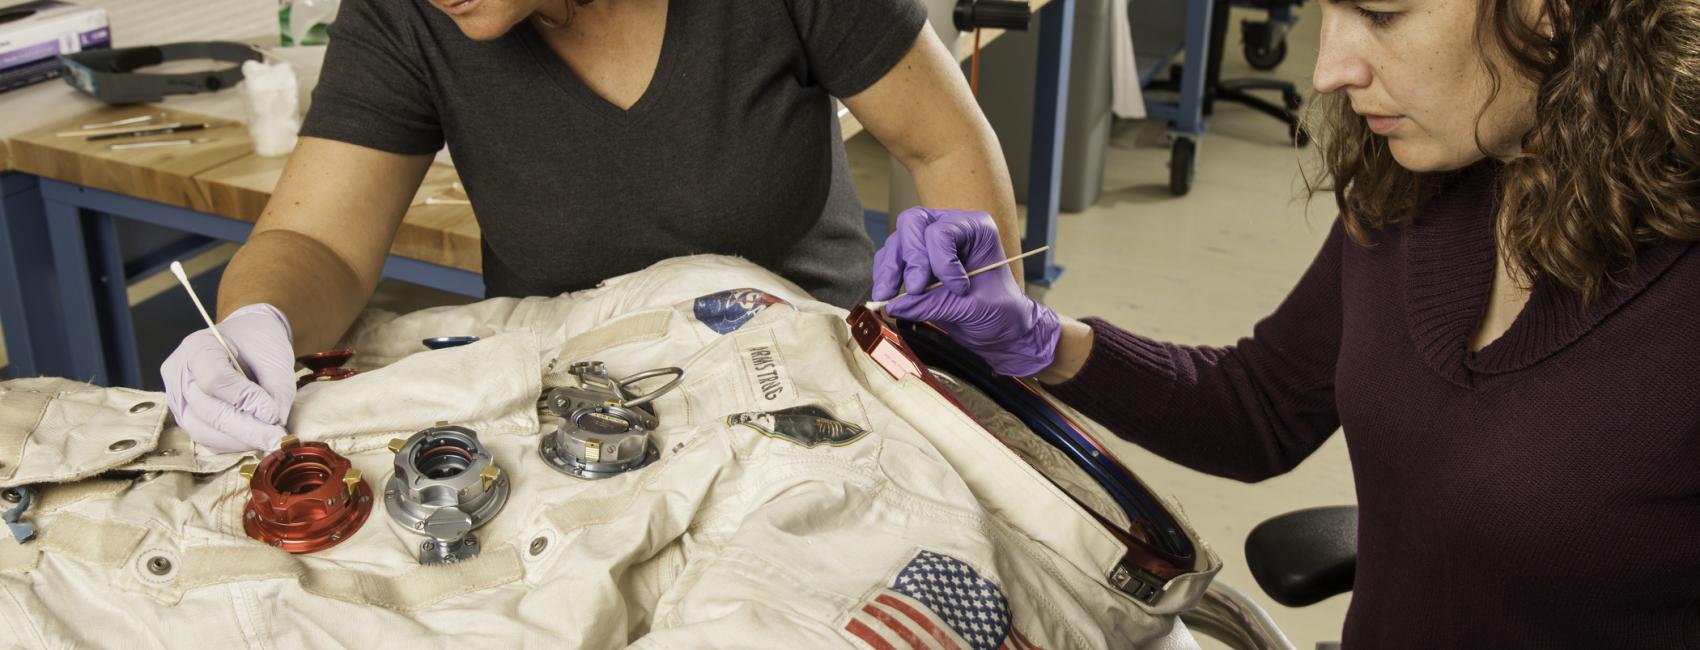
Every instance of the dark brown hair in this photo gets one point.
(1612, 164)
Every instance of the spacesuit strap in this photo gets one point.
(20, 412)
(632, 328)
(418, 588)
(102, 543)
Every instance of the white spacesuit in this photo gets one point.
(915, 528)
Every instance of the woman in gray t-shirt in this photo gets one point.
(594, 139)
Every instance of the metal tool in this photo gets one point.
(128, 121)
(877, 305)
(446, 485)
(157, 130)
(177, 270)
(607, 427)
(157, 143)
(304, 497)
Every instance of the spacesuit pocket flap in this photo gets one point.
(53, 431)
(491, 386)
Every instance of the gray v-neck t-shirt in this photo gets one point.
(733, 149)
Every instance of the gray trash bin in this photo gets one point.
(1007, 74)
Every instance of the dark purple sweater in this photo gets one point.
(1543, 492)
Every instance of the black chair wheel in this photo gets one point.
(1183, 165)
(1263, 56)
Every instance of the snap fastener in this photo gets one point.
(159, 566)
(537, 545)
(121, 445)
(142, 408)
(12, 495)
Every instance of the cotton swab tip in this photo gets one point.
(177, 270)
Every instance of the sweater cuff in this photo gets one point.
(1125, 384)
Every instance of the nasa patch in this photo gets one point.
(726, 311)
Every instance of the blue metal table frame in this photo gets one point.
(1050, 108)
(64, 301)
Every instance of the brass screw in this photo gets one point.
(248, 470)
(396, 444)
(490, 474)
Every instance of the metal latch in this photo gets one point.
(1136, 582)
(14, 516)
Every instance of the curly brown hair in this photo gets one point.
(1612, 164)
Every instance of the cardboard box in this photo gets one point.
(34, 34)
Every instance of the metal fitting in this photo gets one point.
(304, 497)
(325, 366)
(607, 427)
(446, 485)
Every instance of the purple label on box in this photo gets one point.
(100, 36)
(29, 54)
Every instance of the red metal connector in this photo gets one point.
(326, 366)
(304, 497)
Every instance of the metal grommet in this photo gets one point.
(537, 545)
(142, 408)
(121, 445)
(12, 495)
(158, 565)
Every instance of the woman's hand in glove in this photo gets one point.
(987, 313)
(224, 408)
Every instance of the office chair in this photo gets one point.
(1265, 47)
(1306, 556)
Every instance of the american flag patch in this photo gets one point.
(937, 603)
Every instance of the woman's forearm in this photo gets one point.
(318, 292)
(1074, 345)
(973, 178)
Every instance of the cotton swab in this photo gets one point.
(177, 270)
(877, 305)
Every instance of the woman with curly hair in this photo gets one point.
(1505, 321)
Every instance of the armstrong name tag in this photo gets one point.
(770, 380)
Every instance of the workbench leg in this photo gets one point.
(77, 295)
(1189, 122)
(1050, 110)
(112, 296)
(29, 306)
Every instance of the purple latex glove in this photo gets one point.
(220, 407)
(987, 313)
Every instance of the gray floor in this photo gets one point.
(1199, 269)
